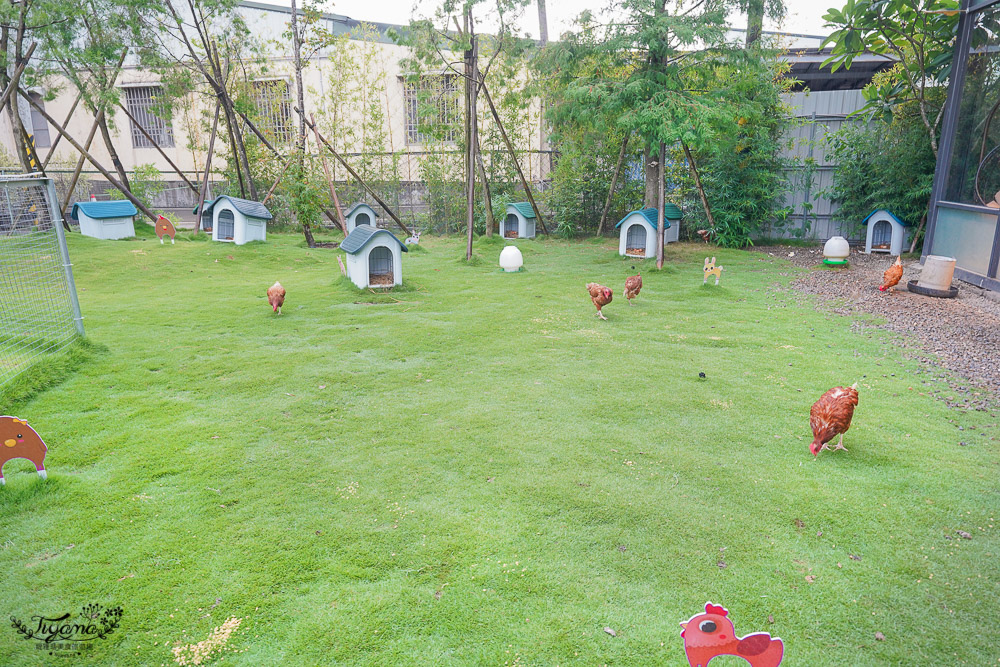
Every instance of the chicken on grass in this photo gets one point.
(633, 284)
(601, 296)
(276, 297)
(831, 416)
(892, 276)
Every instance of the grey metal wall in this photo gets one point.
(820, 113)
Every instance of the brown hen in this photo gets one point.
(632, 286)
(601, 296)
(892, 276)
(831, 415)
(276, 297)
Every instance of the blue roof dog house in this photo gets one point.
(360, 214)
(105, 219)
(374, 257)
(886, 233)
(519, 223)
(235, 220)
(637, 230)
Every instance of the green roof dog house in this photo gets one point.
(886, 233)
(519, 223)
(374, 257)
(235, 220)
(105, 219)
(637, 231)
(360, 214)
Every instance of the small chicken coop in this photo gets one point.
(637, 231)
(374, 257)
(235, 220)
(105, 219)
(519, 222)
(360, 214)
(886, 233)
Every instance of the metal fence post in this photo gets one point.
(57, 221)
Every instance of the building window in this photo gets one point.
(433, 109)
(141, 102)
(274, 110)
(39, 126)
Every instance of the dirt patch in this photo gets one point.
(380, 280)
(962, 333)
(327, 244)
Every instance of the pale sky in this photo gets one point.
(804, 16)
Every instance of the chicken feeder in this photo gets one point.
(511, 259)
(836, 251)
(935, 278)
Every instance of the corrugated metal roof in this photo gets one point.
(359, 205)
(889, 213)
(524, 208)
(362, 234)
(670, 212)
(251, 209)
(104, 209)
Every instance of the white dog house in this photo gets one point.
(886, 233)
(637, 230)
(374, 257)
(519, 222)
(235, 220)
(360, 214)
(105, 219)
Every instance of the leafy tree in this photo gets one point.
(919, 34)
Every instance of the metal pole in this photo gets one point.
(50, 191)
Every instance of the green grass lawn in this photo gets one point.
(476, 470)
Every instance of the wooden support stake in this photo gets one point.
(353, 173)
(79, 163)
(329, 179)
(284, 170)
(661, 200)
(513, 155)
(104, 172)
(701, 188)
(16, 76)
(487, 195)
(611, 190)
(151, 140)
(208, 168)
(55, 142)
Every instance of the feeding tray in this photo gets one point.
(835, 262)
(949, 293)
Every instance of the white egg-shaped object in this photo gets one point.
(511, 259)
(837, 248)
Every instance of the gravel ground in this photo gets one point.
(961, 335)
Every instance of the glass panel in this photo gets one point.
(965, 235)
(39, 126)
(974, 172)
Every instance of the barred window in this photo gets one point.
(141, 102)
(39, 126)
(432, 104)
(274, 110)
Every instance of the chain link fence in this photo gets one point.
(39, 311)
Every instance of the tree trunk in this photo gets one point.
(660, 201)
(543, 24)
(651, 173)
(755, 21)
(611, 189)
(208, 168)
(300, 144)
(471, 129)
(487, 196)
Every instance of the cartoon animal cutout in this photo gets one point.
(711, 634)
(165, 228)
(414, 240)
(19, 441)
(712, 270)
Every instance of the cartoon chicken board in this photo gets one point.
(711, 634)
(20, 441)
(165, 228)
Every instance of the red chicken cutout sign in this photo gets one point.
(711, 634)
(19, 441)
(165, 228)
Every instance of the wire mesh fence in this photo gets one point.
(39, 312)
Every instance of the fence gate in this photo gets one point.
(39, 311)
